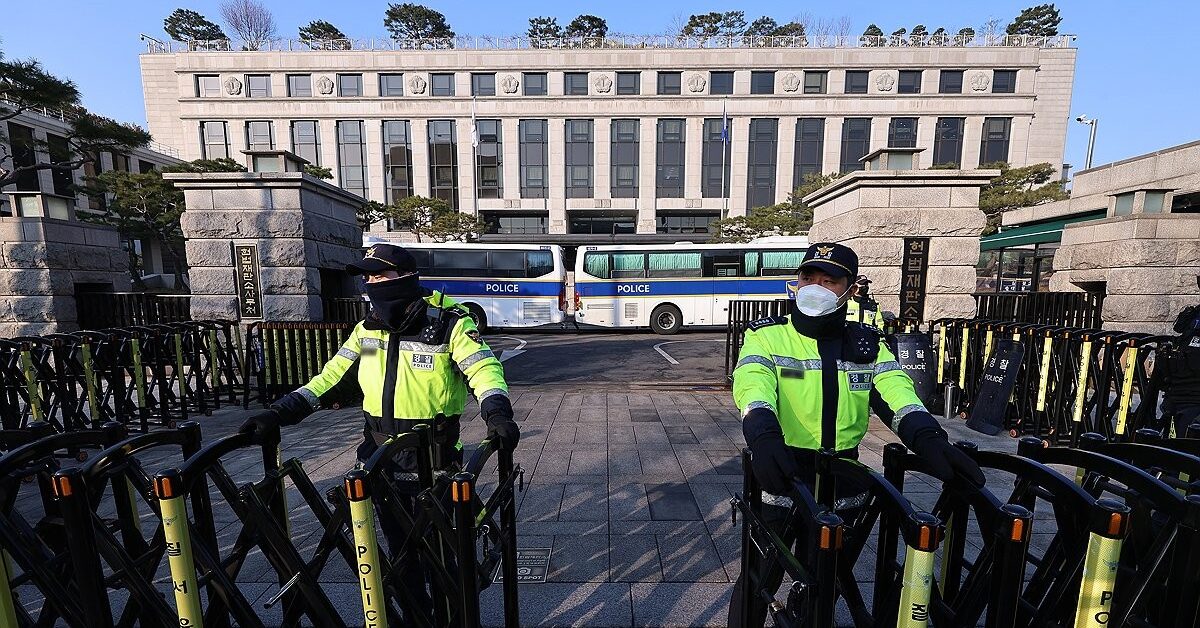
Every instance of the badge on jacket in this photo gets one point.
(474, 335)
(422, 361)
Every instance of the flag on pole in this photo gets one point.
(724, 123)
(474, 128)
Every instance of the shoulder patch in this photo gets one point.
(474, 335)
(767, 322)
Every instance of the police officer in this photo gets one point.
(418, 351)
(1181, 377)
(802, 383)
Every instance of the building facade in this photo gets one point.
(647, 142)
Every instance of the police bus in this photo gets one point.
(503, 285)
(668, 287)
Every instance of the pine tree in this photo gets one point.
(321, 35)
(416, 21)
(1041, 20)
(188, 25)
(543, 31)
(1016, 188)
(873, 36)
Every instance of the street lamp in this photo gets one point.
(1083, 119)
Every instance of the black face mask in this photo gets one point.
(830, 325)
(396, 302)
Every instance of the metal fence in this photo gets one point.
(102, 310)
(1066, 309)
(741, 314)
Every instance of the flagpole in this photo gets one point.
(724, 148)
(475, 157)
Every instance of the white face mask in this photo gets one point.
(816, 300)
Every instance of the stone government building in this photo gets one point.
(576, 145)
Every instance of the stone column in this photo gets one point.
(301, 226)
(43, 261)
(872, 211)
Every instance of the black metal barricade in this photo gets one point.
(285, 355)
(741, 313)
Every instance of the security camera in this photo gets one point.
(1080, 118)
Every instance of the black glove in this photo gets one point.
(292, 407)
(773, 463)
(498, 414)
(261, 422)
(945, 460)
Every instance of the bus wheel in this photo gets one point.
(666, 320)
(478, 316)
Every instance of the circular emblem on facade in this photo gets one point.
(417, 85)
(791, 82)
(885, 82)
(980, 82)
(325, 85)
(603, 84)
(233, 87)
(510, 84)
(696, 83)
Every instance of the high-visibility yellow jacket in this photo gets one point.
(782, 370)
(418, 380)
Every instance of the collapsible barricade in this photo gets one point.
(44, 551)
(286, 355)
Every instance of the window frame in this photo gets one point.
(250, 134)
(479, 85)
(441, 91)
(575, 83)
(893, 127)
(533, 136)
(341, 85)
(251, 79)
(291, 87)
(404, 163)
(571, 138)
(844, 161)
(669, 140)
(201, 92)
(621, 141)
(316, 143)
(385, 86)
(629, 90)
(946, 81)
(712, 82)
(1011, 86)
(669, 82)
(823, 83)
(545, 82)
(851, 88)
(205, 153)
(762, 130)
(761, 80)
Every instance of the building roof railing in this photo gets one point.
(67, 116)
(617, 42)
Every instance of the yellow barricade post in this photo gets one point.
(1109, 528)
(366, 550)
(168, 488)
(917, 583)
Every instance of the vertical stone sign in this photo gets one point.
(914, 272)
(249, 286)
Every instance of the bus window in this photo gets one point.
(722, 264)
(506, 264)
(459, 263)
(751, 259)
(596, 265)
(540, 263)
(779, 263)
(674, 265)
(422, 258)
(628, 265)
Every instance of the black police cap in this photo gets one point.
(838, 260)
(384, 257)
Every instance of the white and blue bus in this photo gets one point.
(672, 286)
(504, 285)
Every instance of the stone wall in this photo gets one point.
(872, 212)
(300, 225)
(41, 262)
(1146, 264)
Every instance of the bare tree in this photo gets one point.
(843, 27)
(675, 26)
(252, 21)
(991, 30)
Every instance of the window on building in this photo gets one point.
(299, 85)
(947, 141)
(857, 81)
(518, 224)
(627, 264)
(669, 83)
(950, 82)
(63, 179)
(305, 142)
(208, 86)
(815, 81)
(810, 149)
(489, 153)
(624, 155)
(720, 83)
(535, 83)
(352, 157)
(902, 133)
(684, 224)
(391, 85)
(260, 135)
(760, 184)
(94, 168)
(1186, 203)
(443, 161)
(483, 84)
(1124, 204)
(909, 83)
(441, 84)
(1004, 82)
(121, 162)
(575, 83)
(579, 158)
(670, 156)
(762, 82)
(993, 148)
(397, 160)
(534, 158)
(214, 140)
(146, 166)
(629, 83)
(258, 85)
(349, 84)
(716, 156)
(856, 143)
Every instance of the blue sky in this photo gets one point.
(1137, 67)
